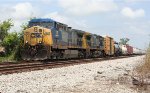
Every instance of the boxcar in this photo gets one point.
(129, 49)
(109, 45)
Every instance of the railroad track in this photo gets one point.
(9, 68)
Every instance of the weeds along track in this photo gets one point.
(9, 68)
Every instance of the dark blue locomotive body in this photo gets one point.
(70, 43)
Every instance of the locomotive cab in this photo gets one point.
(45, 39)
(37, 43)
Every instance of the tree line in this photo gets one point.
(11, 41)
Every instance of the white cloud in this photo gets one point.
(128, 12)
(78, 24)
(47, 1)
(19, 13)
(87, 7)
(23, 11)
(133, 1)
(57, 17)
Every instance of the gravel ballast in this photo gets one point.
(97, 77)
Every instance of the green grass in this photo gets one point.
(13, 56)
(9, 58)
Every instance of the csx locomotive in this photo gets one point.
(49, 39)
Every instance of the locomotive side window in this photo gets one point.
(60, 26)
(47, 25)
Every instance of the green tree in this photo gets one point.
(5, 26)
(124, 41)
(17, 55)
(10, 42)
(24, 26)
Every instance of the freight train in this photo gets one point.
(49, 39)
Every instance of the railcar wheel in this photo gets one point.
(42, 54)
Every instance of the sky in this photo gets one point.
(115, 18)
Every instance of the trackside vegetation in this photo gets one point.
(144, 69)
(11, 40)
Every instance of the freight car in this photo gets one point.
(129, 49)
(109, 46)
(126, 49)
(137, 51)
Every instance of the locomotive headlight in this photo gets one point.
(26, 41)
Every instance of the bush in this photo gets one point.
(145, 68)
(5, 26)
(10, 42)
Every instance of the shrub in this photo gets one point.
(10, 42)
(145, 68)
(5, 26)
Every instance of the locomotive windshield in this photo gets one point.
(42, 24)
(36, 35)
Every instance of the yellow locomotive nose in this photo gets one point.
(37, 41)
(33, 35)
(36, 38)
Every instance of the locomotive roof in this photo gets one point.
(47, 20)
(42, 20)
(78, 31)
